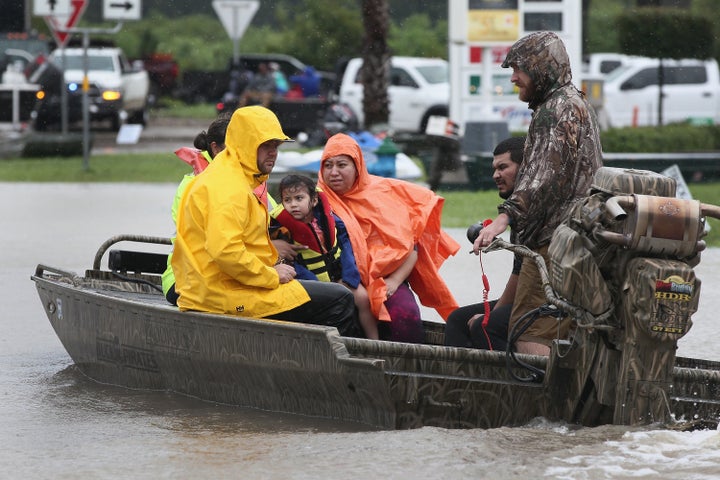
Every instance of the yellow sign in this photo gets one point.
(493, 26)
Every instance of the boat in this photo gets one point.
(119, 329)
(618, 368)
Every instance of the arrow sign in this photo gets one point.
(59, 23)
(46, 8)
(235, 15)
(121, 9)
(126, 5)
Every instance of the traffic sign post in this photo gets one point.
(235, 16)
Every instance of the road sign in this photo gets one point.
(59, 24)
(121, 9)
(235, 15)
(47, 8)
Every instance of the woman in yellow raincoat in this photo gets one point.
(223, 259)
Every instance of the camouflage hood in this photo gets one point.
(543, 57)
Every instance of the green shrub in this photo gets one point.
(665, 33)
(668, 138)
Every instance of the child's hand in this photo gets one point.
(287, 251)
(391, 286)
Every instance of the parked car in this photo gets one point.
(691, 92)
(118, 91)
(209, 86)
(419, 88)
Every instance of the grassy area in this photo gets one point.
(462, 208)
(172, 108)
(465, 207)
(156, 167)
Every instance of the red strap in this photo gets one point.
(486, 293)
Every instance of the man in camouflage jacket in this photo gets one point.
(562, 153)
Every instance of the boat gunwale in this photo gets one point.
(353, 348)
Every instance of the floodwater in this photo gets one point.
(55, 423)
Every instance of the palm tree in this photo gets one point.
(376, 62)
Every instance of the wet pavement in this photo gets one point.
(160, 135)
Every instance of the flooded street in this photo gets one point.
(55, 423)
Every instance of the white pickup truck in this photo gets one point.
(691, 92)
(419, 88)
(117, 90)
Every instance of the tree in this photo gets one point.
(320, 32)
(665, 33)
(585, 24)
(418, 36)
(376, 62)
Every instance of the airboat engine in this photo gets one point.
(625, 256)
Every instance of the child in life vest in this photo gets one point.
(305, 217)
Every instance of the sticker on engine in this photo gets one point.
(670, 319)
(674, 288)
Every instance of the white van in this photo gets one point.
(691, 92)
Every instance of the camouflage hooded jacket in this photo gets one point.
(562, 150)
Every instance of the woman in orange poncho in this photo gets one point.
(394, 228)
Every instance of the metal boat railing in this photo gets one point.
(127, 238)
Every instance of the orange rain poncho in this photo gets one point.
(385, 219)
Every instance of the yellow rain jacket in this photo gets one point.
(223, 257)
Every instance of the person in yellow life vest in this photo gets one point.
(207, 145)
(223, 255)
(305, 216)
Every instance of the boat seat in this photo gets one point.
(138, 262)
